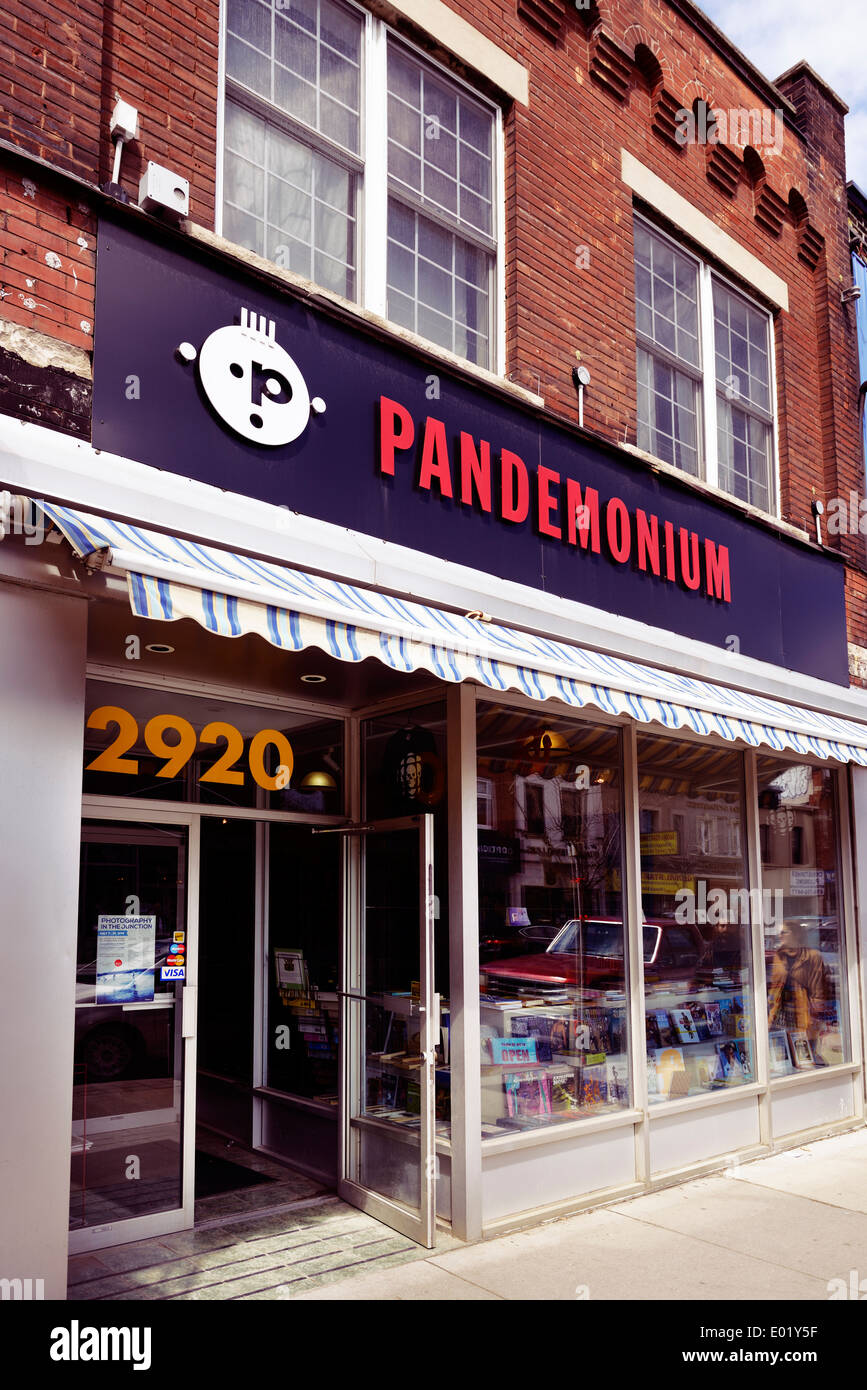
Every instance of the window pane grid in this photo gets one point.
(286, 198)
(668, 425)
(673, 399)
(439, 144)
(744, 455)
(427, 291)
(666, 290)
(303, 57)
(283, 200)
(741, 343)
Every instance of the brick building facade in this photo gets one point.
(601, 79)
(587, 268)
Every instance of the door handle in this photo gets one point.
(189, 1002)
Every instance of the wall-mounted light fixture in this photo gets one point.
(124, 127)
(580, 379)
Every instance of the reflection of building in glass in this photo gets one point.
(549, 827)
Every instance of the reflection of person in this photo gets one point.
(799, 986)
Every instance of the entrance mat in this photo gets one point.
(216, 1175)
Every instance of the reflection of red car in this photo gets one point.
(590, 952)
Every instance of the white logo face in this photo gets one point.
(252, 383)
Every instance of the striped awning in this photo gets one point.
(171, 578)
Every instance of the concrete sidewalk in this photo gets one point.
(778, 1228)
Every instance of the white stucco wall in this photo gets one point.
(42, 664)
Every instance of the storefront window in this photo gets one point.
(699, 1014)
(804, 948)
(159, 745)
(552, 942)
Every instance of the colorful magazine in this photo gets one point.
(671, 1072)
(684, 1026)
(706, 1072)
(778, 1048)
(527, 1093)
(802, 1052)
(735, 1062)
(663, 1028)
(697, 1013)
(564, 1089)
(617, 1078)
(594, 1085)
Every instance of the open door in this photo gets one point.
(389, 1026)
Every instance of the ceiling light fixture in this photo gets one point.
(159, 648)
(314, 680)
(317, 780)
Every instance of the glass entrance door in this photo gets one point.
(389, 1026)
(128, 1175)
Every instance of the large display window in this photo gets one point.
(554, 1023)
(695, 895)
(804, 942)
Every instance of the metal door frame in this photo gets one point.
(420, 1224)
(180, 1218)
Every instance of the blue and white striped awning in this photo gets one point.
(229, 594)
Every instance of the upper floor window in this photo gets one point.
(358, 164)
(485, 802)
(705, 398)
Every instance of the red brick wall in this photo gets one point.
(70, 61)
(563, 192)
(47, 254)
(577, 198)
(50, 91)
(163, 59)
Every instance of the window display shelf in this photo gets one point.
(403, 1133)
(413, 1063)
(528, 1096)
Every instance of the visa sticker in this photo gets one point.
(171, 972)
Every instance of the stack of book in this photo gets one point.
(318, 1041)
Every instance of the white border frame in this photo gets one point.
(179, 1218)
(419, 1223)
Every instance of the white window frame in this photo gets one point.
(485, 793)
(371, 169)
(707, 410)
